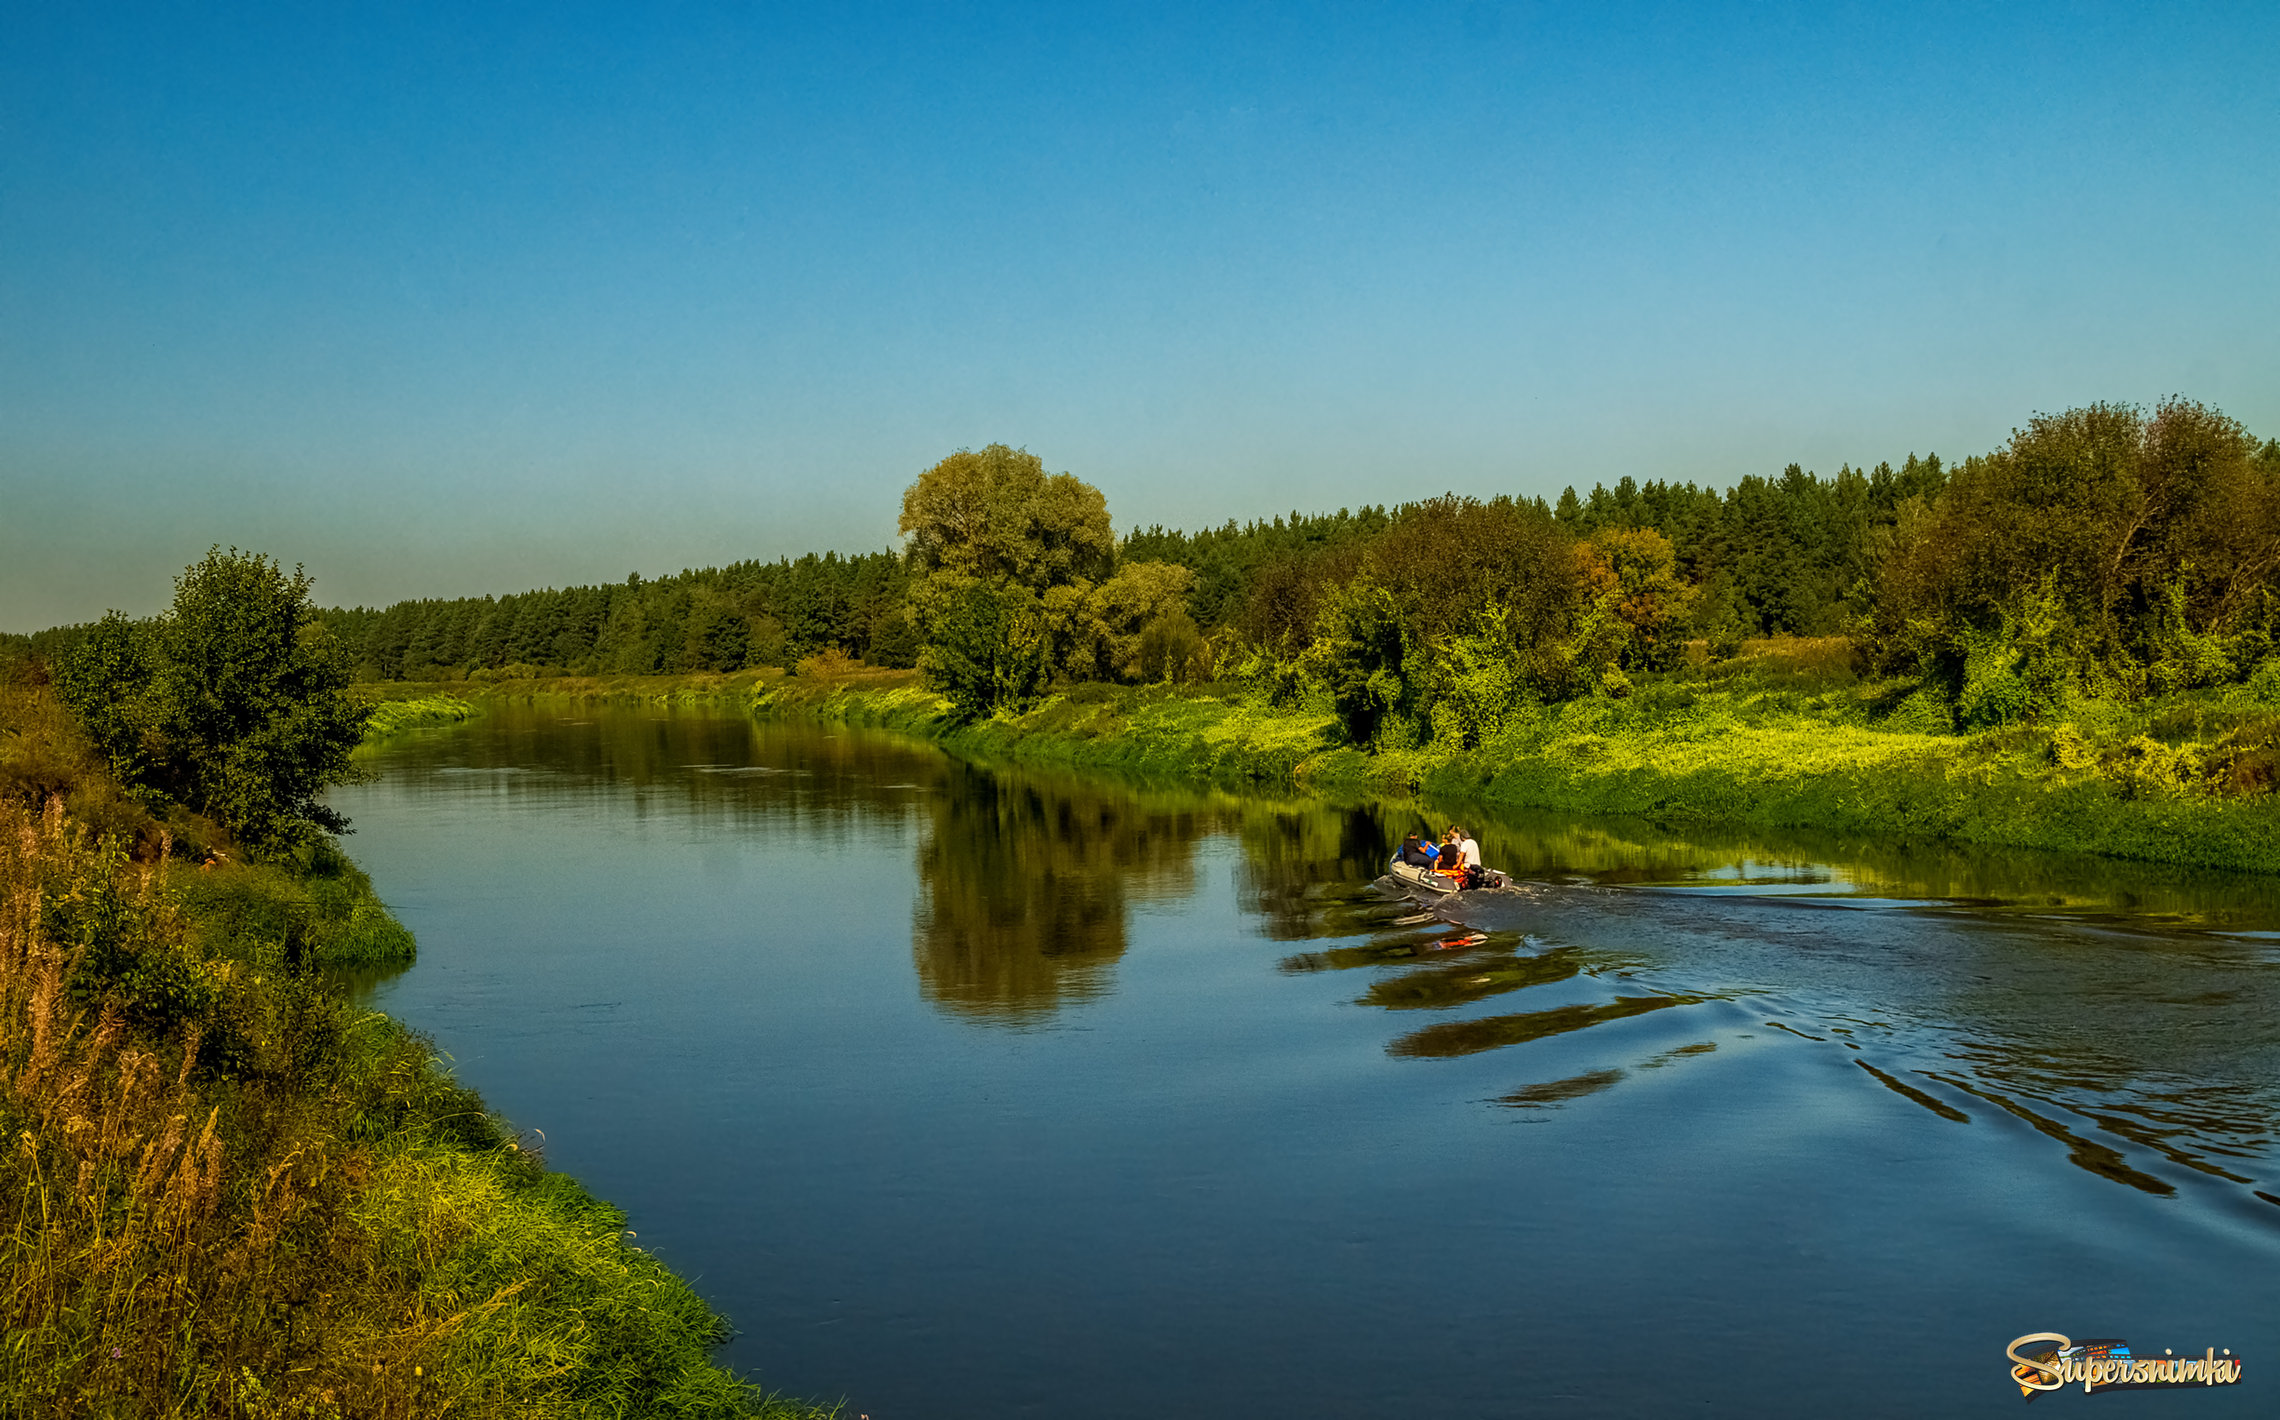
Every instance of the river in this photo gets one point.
(970, 1091)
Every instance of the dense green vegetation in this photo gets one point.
(235, 1192)
(1782, 735)
(389, 716)
(231, 702)
(2104, 591)
(2103, 555)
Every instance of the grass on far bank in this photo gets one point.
(394, 716)
(687, 687)
(1783, 735)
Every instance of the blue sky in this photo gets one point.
(443, 300)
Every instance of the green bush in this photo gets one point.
(313, 911)
(2145, 768)
(232, 702)
(1361, 657)
(2185, 658)
(2263, 687)
(1993, 692)
(1922, 711)
(987, 651)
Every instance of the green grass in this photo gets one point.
(318, 911)
(689, 688)
(1735, 758)
(230, 1191)
(1784, 737)
(391, 717)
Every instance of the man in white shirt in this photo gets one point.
(1469, 848)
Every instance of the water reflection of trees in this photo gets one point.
(1026, 884)
(703, 762)
(1293, 852)
(1028, 879)
(2065, 996)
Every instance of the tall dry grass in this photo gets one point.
(225, 1191)
(115, 1165)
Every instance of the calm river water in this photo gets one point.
(976, 1092)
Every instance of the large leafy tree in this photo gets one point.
(1133, 619)
(997, 516)
(2138, 548)
(1637, 570)
(1362, 655)
(1006, 557)
(232, 702)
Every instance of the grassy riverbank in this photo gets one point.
(1782, 737)
(392, 716)
(235, 1192)
(688, 688)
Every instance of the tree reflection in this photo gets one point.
(1293, 852)
(1025, 884)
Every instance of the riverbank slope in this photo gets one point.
(235, 1191)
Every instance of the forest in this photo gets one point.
(2109, 551)
(1786, 554)
(710, 619)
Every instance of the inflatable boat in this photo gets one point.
(1427, 882)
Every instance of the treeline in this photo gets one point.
(1785, 555)
(711, 619)
(2107, 551)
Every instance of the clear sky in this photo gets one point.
(453, 299)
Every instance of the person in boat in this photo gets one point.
(1417, 853)
(1460, 858)
(1450, 861)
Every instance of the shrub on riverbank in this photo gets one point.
(230, 703)
(318, 910)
